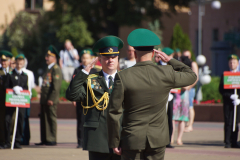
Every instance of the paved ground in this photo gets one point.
(205, 142)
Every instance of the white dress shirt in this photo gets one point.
(106, 76)
(31, 79)
(6, 70)
(50, 65)
(18, 71)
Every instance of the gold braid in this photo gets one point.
(104, 98)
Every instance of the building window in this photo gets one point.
(215, 33)
(33, 4)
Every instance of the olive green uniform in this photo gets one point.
(2, 106)
(95, 121)
(50, 90)
(144, 90)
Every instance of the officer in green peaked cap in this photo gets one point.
(50, 90)
(168, 51)
(4, 70)
(52, 51)
(20, 56)
(95, 105)
(233, 56)
(5, 55)
(135, 98)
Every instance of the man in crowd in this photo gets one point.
(158, 60)
(5, 62)
(31, 85)
(18, 81)
(68, 60)
(86, 58)
(144, 124)
(129, 61)
(93, 92)
(50, 90)
(229, 100)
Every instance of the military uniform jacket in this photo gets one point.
(52, 80)
(95, 121)
(2, 85)
(14, 79)
(144, 90)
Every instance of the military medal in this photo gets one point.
(94, 83)
(96, 87)
(16, 77)
(92, 86)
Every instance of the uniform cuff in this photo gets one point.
(84, 71)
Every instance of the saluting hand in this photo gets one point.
(117, 151)
(164, 57)
(91, 65)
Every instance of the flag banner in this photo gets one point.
(21, 100)
(175, 90)
(231, 80)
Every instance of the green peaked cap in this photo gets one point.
(86, 51)
(233, 56)
(168, 51)
(53, 50)
(177, 50)
(20, 56)
(108, 45)
(4, 54)
(143, 37)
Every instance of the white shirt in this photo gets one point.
(18, 72)
(31, 79)
(50, 65)
(6, 70)
(67, 61)
(106, 76)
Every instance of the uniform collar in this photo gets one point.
(143, 63)
(50, 65)
(106, 76)
(18, 72)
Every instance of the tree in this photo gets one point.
(106, 16)
(155, 27)
(181, 40)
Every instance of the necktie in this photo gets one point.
(110, 83)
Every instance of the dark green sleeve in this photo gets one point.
(56, 84)
(115, 112)
(182, 74)
(76, 91)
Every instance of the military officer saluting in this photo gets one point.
(5, 62)
(50, 91)
(144, 90)
(86, 58)
(18, 81)
(93, 92)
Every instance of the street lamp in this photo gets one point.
(204, 77)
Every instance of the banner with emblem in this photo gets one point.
(231, 80)
(175, 90)
(21, 100)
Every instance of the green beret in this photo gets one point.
(5, 55)
(108, 46)
(86, 51)
(20, 56)
(143, 37)
(52, 51)
(233, 56)
(168, 51)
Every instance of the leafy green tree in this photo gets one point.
(181, 40)
(75, 29)
(155, 27)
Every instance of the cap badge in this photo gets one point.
(110, 50)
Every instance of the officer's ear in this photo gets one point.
(153, 53)
(135, 54)
(100, 58)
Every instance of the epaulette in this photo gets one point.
(55, 66)
(93, 75)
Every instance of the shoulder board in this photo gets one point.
(122, 70)
(93, 75)
(55, 66)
